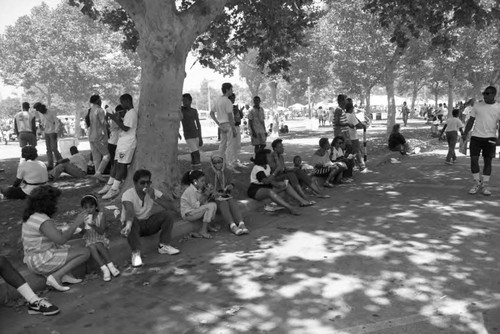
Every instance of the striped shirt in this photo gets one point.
(41, 254)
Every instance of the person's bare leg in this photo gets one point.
(268, 193)
(290, 191)
(76, 256)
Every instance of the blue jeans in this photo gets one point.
(51, 143)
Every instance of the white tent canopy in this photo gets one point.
(297, 106)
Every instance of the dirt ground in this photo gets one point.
(11, 210)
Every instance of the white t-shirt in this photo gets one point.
(453, 124)
(487, 117)
(33, 173)
(256, 169)
(337, 153)
(142, 210)
(50, 122)
(353, 120)
(127, 139)
(223, 107)
(79, 161)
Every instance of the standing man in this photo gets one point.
(484, 116)
(224, 118)
(257, 125)
(98, 136)
(339, 117)
(405, 111)
(192, 130)
(139, 220)
(25, 126)
(51, 127)
(235, 147)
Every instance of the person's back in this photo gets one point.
(24, 121)
(396, 139)
(33, 173)
(98, 126)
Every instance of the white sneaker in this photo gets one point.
(485, 190)
(112, 269)
(475, 188)
(136, 259)
(167, 249)
(104, 189)
(106, 275)
(111, 193)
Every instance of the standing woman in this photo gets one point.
(46, 251)
(51, 127)
(257, 125)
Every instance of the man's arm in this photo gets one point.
(166, 203)
(212, 115)
(118, 122)
(16, 131)
(129, 217)
(469, 125)
(33, 125)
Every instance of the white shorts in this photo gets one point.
(124, 155)
(193, 144)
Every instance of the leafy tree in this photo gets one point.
(8, 107)
(167, 30)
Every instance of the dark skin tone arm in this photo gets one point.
(118, 121)
(468, 127)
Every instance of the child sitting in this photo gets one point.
(195, 205)
(95, 238)
(324, 167)
(221, 178)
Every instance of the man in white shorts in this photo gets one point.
(125, 147)
(484, 116)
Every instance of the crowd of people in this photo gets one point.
(50, 251)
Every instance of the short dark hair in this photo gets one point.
(256, 97)
(455, 112)
(323, 141)
(73, 150)
(187, 96)
(276, 142)
(95, 99)
(232, 97)
(42, 199)
(119, 108)
(40, 107)
(29, 153)
(190, 176)
(128, 98)
(225, 87)
(140, 173)
(26, 106)
(336, 139)
(261, 157)
(491, 88)
(90, 199)
(341, 97)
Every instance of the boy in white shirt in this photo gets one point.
(452, 126)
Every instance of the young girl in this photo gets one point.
(337, 155)
(195, 205)
(95, 239)
(221, 178)
(262, 184)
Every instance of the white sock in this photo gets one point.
(105, 270)
(111, 265)
(111, 180)
(486, 178)
(476, 177)
(116, 184)
(28, 294)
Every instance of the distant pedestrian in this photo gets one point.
(25, 126)
(192, 130)
(51, 127)
(452, 126)
(405, 112)
(257, 125)
(484, 117)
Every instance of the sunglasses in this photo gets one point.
(488, 93)
(217, 162)
(144, 183)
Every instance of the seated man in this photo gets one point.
(324, 167)
(293, 175)
(75, 166)
(31, 173)
(140, 221)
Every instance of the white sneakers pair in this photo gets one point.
(162, 249)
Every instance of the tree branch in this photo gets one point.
(201, 14)
(134, 8)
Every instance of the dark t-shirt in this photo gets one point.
(238, 115)
(396, 139)
(189, 125)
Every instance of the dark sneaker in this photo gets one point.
(42, 306)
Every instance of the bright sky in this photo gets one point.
(10, 11)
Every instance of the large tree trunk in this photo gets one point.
(451, 87)
(166, 37)
(389, 78)
(368, 98)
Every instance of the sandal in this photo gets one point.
(303, 205)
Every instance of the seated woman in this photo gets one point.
(338, 155)
(31, 174)
(324, 167)
(397, 141)
(195, 204)
(263, 185)
(46, 251)
(221, 177)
